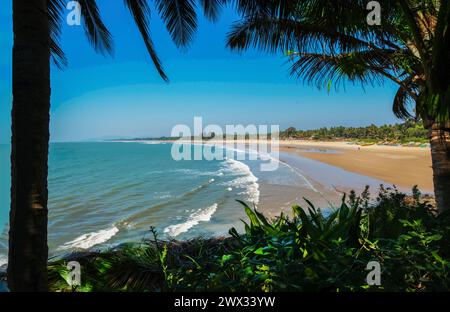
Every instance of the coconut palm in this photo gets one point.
(37, 28)
(330, 43)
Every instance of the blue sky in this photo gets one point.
(103, 97)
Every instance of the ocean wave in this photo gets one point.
(196, 189)
(202, 215)
(88, 240)
(246, 179)
(3, 260)
(171, 201)
(268, 156)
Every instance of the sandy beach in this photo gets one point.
(401, 166)
(398, 165)
(337, 167)
(327, 170)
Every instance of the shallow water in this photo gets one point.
(112, 192)
(331, 177)
(106, 193)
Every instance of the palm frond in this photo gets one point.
(212, 8)
(57, 54)
(272, 35)
(326, 70)
(412, 20)
(322, 55)
(330, 42)
(402, 101)
(273, 8)
(96, 31)
(180, 19)
(55, 8)
(140, 11)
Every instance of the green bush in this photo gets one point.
(315, 250)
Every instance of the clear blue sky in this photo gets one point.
(98, 97)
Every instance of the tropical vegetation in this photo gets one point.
(331, 43)
(311, 250)
(37, 29)
(405, 133)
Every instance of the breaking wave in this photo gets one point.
(202, 215)
(88, 240)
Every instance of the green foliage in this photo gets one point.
(405, 133)
(314, 250)
(330, 44)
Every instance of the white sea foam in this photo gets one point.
(3, 260)
(88, 240)
(268, 156)
(202, 215)
(246, 179)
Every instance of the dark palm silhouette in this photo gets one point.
(331, 42)
(37, 28)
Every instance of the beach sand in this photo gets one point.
(338, 167)
(398, 165)
(277, 199)
(335, 168)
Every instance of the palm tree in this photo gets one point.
(37, 25)
(331, 43)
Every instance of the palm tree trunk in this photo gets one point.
(440, 155)
(28, 251)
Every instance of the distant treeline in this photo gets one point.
(410, 131)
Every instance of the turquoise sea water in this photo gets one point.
(110, 192)
(107, 193)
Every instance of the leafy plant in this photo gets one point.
(315, 250)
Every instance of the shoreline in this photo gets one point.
(398, 165)
(336, 167)
(402, 166)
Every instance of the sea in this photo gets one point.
(102, 194)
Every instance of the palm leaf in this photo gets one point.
(402, 100)
(212, 8)
(55, 9)
(140, 11)
(331, 43)
(180, 19)
(97, 33)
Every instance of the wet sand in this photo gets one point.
(334, 168)
(398, 165)
(277, 199)
(401, 166)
